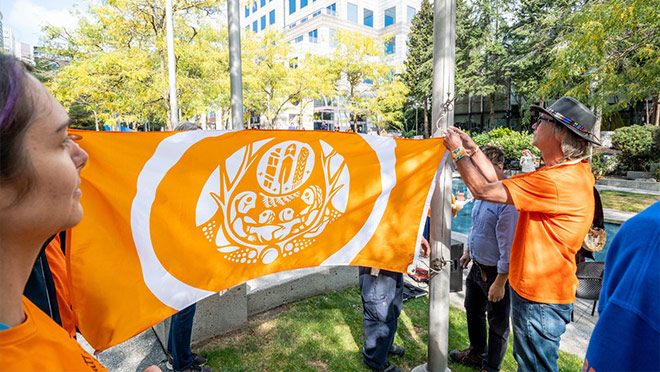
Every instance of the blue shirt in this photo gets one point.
(491, 234)
(627, 335)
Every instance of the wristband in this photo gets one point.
(474, 152)
(458, 154)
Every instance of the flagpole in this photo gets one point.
(235, 71)
(171, 62)
(444, 40)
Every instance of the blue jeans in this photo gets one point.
(382, 298)
(537, 329)
(178, 342)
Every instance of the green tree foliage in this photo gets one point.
(638, 146)
(480, 53)
(418, 75)
(532, 43)
(363, 77)
(512, 142)
(612, 52)
(119, 60)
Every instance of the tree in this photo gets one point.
(361, 71)
(532, 45)
(418, 75)
(612, 52)
(480, 37)
(116, 34)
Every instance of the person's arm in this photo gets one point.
(504, 230)
(480, 186)
(485, 166)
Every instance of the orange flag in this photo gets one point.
(171, 218)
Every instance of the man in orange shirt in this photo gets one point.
(556, 206)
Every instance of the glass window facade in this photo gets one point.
(314, 36)
(292, 6)
(368, 17)
(263, 22)
(255, 26)
(390, 16)
(411, 13)
(390, 46)
(303, 3)
(254, 6)
(298, 39)
(352, 12)
(332, 9)
(263, 3)
(271, 17)
(333, 37)
(247, 11)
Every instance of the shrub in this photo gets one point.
(511, 142)
(638, 146)
(598, 167)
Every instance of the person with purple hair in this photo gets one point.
(40, 166)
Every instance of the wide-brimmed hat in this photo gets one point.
(574, 115)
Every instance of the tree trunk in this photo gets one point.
(426, 118)
(96, 120)
(300, 117)
(656, 110)
(203, 120)
(599, 118)
(491, 102)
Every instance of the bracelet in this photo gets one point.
(474, 152)
(458, 154)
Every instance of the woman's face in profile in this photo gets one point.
(52, 203)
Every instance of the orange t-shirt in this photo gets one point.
(556, 207)
(40, 344)
(57, 264)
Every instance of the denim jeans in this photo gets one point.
(492, 343)
(178, 342)
(382, 298)
(537, 329)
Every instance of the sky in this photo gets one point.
(26, 17)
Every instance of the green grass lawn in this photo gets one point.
(324, 333)
(627, 201)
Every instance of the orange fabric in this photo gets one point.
(40, 344)
(556, 207)
(220, 206)
(57, 264)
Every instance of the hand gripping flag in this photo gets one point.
(171, 218)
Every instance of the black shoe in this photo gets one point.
(386, 368)
(466, 357)
(198, 359)
(397, 351)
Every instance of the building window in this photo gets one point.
(390, 16)
(352, 12)
(313, 36)
(263, 3)
(390, 46)
(263, 22)
(254, 6)
(331, 9)
(316, 13)
(303, 3)
(255, 26)
(368, 17)
(298, 39)
(332, 37)
(292, 6)
(247, 11)
(411, 14)
(271, 15)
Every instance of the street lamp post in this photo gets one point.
(235, 71)
(171, 62)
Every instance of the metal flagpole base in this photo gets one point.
(424, 368)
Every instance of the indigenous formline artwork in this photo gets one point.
(174, 217)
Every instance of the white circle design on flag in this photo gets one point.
(176, 294)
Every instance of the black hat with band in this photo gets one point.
(574, 115)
